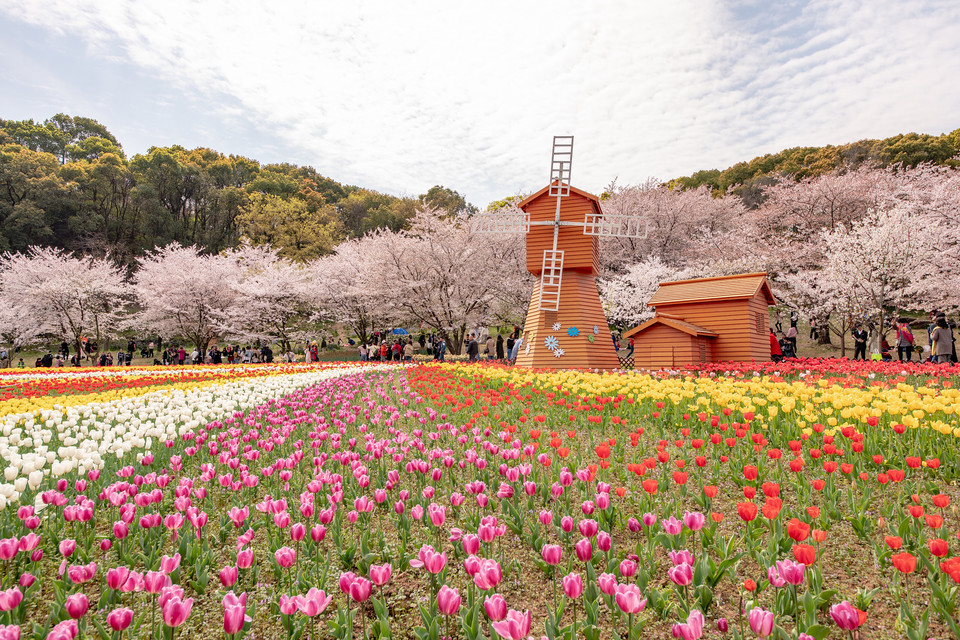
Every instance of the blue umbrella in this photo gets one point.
(400, 332)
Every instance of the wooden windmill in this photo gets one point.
(565, 327)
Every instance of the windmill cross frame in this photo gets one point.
(593, 224)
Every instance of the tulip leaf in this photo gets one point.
(818, 631)
(104, 634)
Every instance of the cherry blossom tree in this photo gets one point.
(270, 298)
(625, 296)
(442, 275)
(54, 293)
(185, 294)
(874, 260)
(678, 223)
(347, 286)
(822, 294)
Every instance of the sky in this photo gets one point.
(400, 95)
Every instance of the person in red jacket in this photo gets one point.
(775, 353)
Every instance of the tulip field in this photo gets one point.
(806, 499)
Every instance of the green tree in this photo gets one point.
(447, 200)
(288, 226)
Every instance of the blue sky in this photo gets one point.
(401, 95)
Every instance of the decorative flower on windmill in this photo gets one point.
(573, 332)
(556, 326)
(550, 342)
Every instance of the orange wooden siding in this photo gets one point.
(579, 307)
(580, 251)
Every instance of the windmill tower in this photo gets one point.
(565, 327)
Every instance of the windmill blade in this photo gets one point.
(550, 280)
(495, 222)
(615, 226)
(561, 162)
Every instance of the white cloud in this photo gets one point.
(403, 95)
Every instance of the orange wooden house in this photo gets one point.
(705, 320)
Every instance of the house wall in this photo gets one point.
(662, 346)
(735, 323)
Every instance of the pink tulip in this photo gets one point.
(288, 605)
(604, 541)
(488, 575)
(346, 579)
(380, 574)
(245, 558)
(170, 564)
(67, 547)
(495, 607)
(9, 547)
(66, 630)
(607, 583)
(317, 533)
(120, 619)
(776, 580)
(360, 589)
(628, 598)
(692, 629)
(566, 523)
(761, 621)
(285, 557)
(176, 611)
(628, 568)
(429, 559)
(169, 593)
(10, 599)
(546, 517)
(228, 576)
(116, 577)
(681, 574)
(672, 526)
(471, 544)
(694, 520)
(313, 603)
(551, 554)
(633, 525)
(845, 616)
(81, 573)
(155, 581)
(516, 626)
(448, 601)
(26, 580)
(29, 542)
(120, 530)
(584, 550)
(76, 605)
(681, 557)
(588, 528)
(9, 632)
(572, 585)
(437, 514)
(649, 519)
(298, 532)
(790, 571)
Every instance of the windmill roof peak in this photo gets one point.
(580, 192)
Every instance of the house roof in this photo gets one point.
(589, 196)
(679, 325)
(744, 285)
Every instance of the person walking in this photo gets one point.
(441, 349)
(499, 347)
(776, 354)
(490, 348)
(408, 351)
(792, 335)
(904, 342)
(473, 349)
(383, 351)
(860, 337)
(942, 338)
